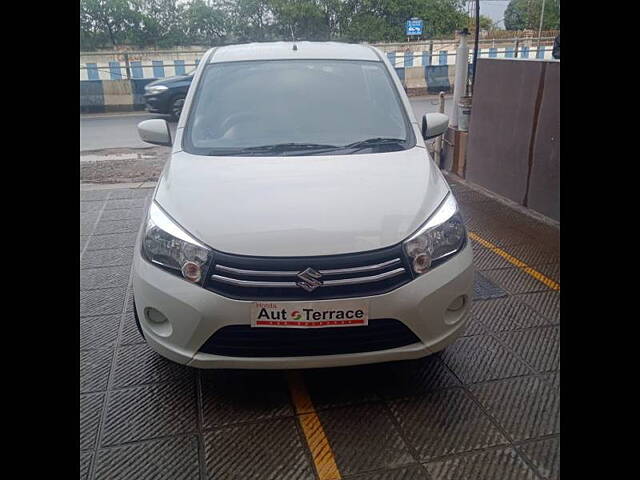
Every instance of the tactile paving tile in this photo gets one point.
(129, 193)
(83, 242)
(545, 455)
(504, 314)
(85, 463)
(471, 196)
(534, 254)
(474, 327)
(443, 423)
(167, 459)
(139, 365)
(114, 240)
(117, 226)
(544, 235)
(91, 195)
(486, 259)
(150, 411)
(539, 347)
(106, 301)
(498, 234)
(130, 333)
(237, 396)
(120, 204)
(364, 438)
(506, 214)
(107, 258)
(336, 387)
(526, 407)
(269, 450)
(94, 369)
(550, 270)
(87, 224)
(91, 206)
(484, 288)
(98, 332)
(412, 472)
(545, 303)
(129, 304)
(482, 358)
(494, 464)
(515, 280)
(553, 379)
(104, 277)
(90, 412)
(413, 377)
(457, 186)
(123, 214)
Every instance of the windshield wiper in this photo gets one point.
(373, 142)
(277, 147)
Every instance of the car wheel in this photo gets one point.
(175, 107)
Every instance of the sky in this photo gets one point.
(494, 9)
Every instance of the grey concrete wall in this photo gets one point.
(544, 182)
(514, 132)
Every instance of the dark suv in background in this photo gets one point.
(167, 95)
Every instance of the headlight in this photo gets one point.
(155, 88)
(168, 246)
(442, 236)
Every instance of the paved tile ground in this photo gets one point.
(485, 408)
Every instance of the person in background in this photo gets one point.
(556, 48)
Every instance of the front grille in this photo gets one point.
(308, 278)
(244, 341)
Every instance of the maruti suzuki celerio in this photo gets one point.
(300, 221)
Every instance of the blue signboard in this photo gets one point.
(414, 26)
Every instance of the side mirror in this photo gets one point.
(155, 131)
(434, 124)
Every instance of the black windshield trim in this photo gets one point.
(188, 147)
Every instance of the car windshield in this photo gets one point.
(301, 107)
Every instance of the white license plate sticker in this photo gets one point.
(309, 315)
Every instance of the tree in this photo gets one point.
(106, 21)
(160, 23)
(167, 23)
(302, 19)
(383, 20)
(525, 15)
(252, 20)
(486, 23)
(206, 22)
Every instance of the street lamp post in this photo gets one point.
(541, 19)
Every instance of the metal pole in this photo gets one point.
(462, 67)
(541, 19)
(439, 139)
(475, 46)
(127, 66)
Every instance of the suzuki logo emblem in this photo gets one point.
(310, 279)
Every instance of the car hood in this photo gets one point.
(301, 206)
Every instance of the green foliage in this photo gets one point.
(525, 15)
(167, 23)
(486, 23)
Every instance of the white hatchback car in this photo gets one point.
(300, 221)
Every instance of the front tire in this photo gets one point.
(175, 107)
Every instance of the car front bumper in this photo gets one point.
(194, 314)
(156, 103)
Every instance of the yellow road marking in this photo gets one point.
(321, 452)
(513, 260)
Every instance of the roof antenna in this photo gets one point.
(293, 39)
